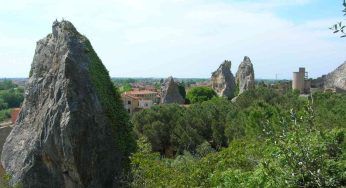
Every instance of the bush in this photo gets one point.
(12, 97)
(5, 114)
(200, 94)
(304, 156)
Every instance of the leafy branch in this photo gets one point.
(339, 27)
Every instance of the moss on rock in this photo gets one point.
(111, 101)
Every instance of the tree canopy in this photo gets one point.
(264, 139)
(200, 94)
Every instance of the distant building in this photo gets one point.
(300, 81)
(130, 102)
(139, 99)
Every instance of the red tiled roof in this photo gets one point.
(140, 92)
(130, 96)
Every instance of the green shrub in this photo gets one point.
(200, 94)
(5, 114)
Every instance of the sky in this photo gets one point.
(182, 38)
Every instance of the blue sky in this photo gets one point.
(183, 38)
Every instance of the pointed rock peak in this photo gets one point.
(226, 64)
(76, 129)
(170, 92)
(170, 79)
(245, 76)
(246, 59)
(62, 26)
(222, 80)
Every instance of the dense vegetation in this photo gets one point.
(264, 139)
(200, 94)
(111, 101)
(11, 96)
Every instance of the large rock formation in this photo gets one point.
(222, 80)
(336, 79)
(245, 77)
(72, 128)
(170, 92)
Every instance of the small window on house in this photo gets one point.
(128, 110)
(128, 102)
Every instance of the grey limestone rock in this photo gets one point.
(222, 80)
(68, 131)
(245, 76)
(170, 92)
(336, 79)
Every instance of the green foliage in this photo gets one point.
(126, 87)
(340, 27)
(157, 85)
(150, 170)
(11, 98)
(158, 125)
(305, 156)
(217, 121)
(3, 104)
(298, 156)
(5, 114)
(111, 101)
(330, 109)
(181, 87)
(7, 84)
(258, 141)
(200, 94)
(237, 90)
(5, 179)
(175, 128)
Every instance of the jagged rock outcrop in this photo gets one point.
(222, 80)
(72, 130)
(170, 92)
(336, 79)
(245, 76)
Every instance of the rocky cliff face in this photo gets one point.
(72, 130)
(222, 80)
(245, 77)
(336, 79)
(170, 92)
